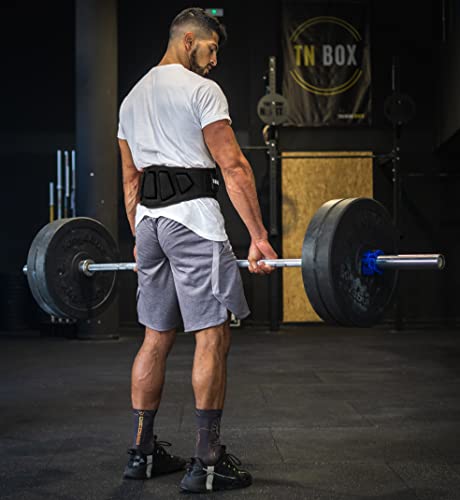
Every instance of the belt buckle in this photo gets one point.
(214, 182)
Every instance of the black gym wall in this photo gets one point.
(448, 54)
(38, 112)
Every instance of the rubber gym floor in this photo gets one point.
(313, 412)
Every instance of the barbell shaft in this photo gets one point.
(407, 262)
(404, 262)
(88, 267)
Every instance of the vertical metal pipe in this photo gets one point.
(51, 202)
(443, 21)
(397, 188)
(59, 184)
(66, 183)
(275, 289)
(73, 206)
(273, 158)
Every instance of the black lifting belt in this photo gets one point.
(162, 186)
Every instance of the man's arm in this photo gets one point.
(131, 183)
(241, 187)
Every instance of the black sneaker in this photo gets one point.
(224, 475)
(141, 466)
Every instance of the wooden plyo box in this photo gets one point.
(307, 183)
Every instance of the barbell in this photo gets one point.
(349, 264)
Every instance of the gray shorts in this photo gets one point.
(181, 273)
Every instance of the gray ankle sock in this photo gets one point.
(208, 447)
(143, 430)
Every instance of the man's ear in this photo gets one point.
(188, 40)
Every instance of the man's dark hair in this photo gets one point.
(202, 20)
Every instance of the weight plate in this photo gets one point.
(272, 109)
(40, 271)
(66, 291)
(309, 250)
(32, 277)
(334, 244)
(399, 108)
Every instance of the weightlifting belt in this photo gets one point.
(162, 186)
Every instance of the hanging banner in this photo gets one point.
(326, 54)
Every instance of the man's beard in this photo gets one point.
(194, 66)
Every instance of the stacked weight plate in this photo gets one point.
(336, 239)
(56, 283)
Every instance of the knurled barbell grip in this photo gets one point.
(273, 262)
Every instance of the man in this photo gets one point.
(174, 127)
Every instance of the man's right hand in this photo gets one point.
(258, 250)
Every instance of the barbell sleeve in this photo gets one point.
(412, 261)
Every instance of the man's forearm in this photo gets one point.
(241, 189)
(131, 195)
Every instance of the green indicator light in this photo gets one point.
(215, 12)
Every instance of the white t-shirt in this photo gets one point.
(162, 120)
